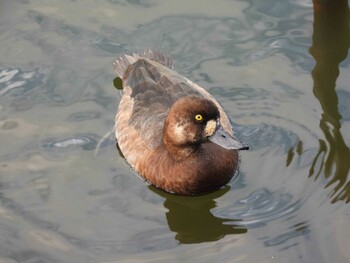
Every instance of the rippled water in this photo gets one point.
(280, 70)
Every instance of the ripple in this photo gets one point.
(261, 207)
(15, 82)
(151, 240)
(300, 229)
(344, 107)
(139, 3)
(84, 115)
(111, 204)
(109, 46)
(267, 135)
(63, 144)
(187, 46)
(275, 31)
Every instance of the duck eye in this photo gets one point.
(199, 117)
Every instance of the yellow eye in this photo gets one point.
(199, 117)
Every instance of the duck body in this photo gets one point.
(170, 130)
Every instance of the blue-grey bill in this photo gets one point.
(225, 140)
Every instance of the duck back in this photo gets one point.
(152, 86)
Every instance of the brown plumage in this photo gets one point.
(170, 130)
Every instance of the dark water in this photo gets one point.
(279, 68)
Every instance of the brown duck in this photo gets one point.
(170, 130)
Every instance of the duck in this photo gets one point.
(171, 131)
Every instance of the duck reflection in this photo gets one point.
(329, 48)
(190, 217)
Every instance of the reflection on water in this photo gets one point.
(331, 39)
(194, 219)
(193, 222)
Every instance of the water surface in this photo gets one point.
(279, 68)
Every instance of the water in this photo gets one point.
(280, 71)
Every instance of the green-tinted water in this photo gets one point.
(280, 70)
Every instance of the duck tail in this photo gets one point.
(122, 64)
(159, 57)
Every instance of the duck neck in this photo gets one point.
(179, 152)
(182, 152)
(175, 141)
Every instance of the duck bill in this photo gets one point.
(227, 141)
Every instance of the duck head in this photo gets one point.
(193, 121)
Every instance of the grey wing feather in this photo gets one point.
(154, 89)
(122, 64)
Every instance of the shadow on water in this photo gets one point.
(190, 217)
(330, 46)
